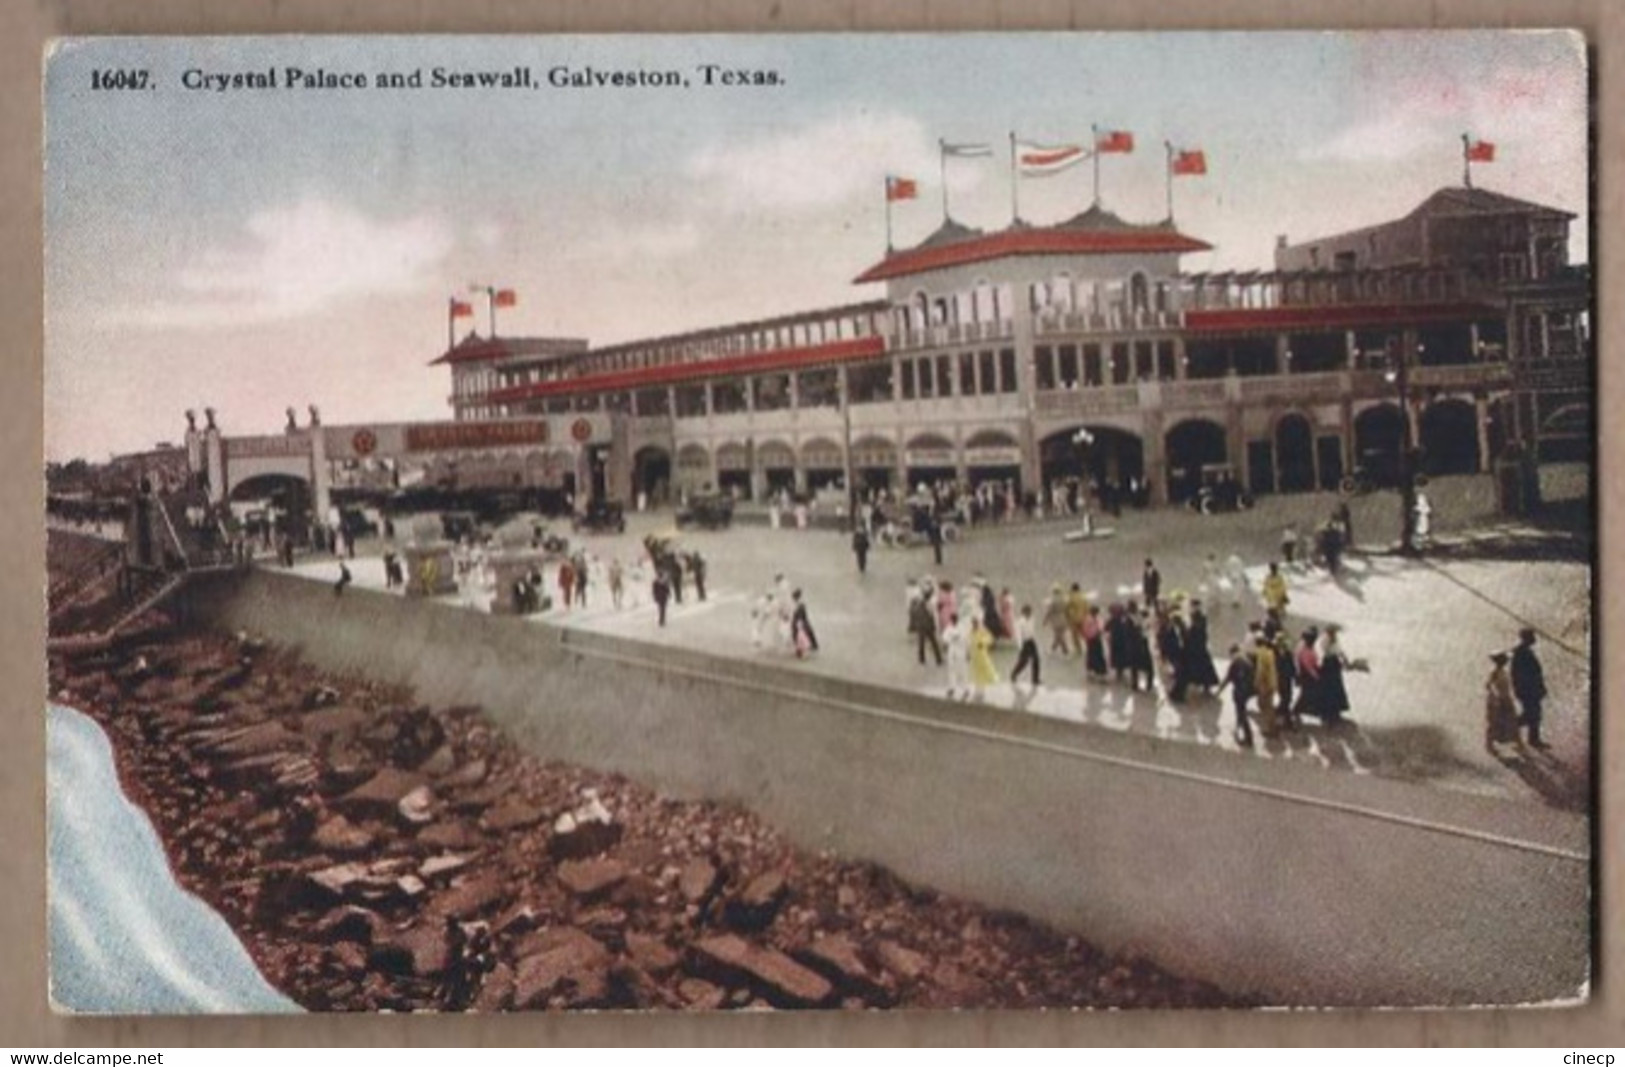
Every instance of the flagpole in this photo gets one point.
(451, 323)
(1169, 178)
(1094, 142)
(1466, 161)
(942, 165)
(887, 194)
(1015, 184)
(491, 307)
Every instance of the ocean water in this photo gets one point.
(125, 937)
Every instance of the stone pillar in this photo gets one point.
(1481, 406)
(671, 401)
(1350, 347)
(1283, 357)
(583, 469)
(618, 470)
(194, 450)
(1179, 358)
(1154, 449)
(214, 451)
(321, 475)
(1032, 472)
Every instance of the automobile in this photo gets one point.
(355, 522)
(907, 525)
(456, 525)
(601, 516)
(1219, 491)
(707, 512)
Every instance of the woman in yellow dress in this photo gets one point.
(982, 673)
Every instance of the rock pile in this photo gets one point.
(375, 854)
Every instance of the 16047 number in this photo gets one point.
(120, 79)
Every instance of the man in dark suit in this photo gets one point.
(1151, 584)
(1529, 685)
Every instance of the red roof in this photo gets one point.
(647, 377)
(1095, 232)
(1345, 315)
(474, 348)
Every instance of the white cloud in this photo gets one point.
(296, 260)
(822, 165)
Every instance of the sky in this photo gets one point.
(255, 249)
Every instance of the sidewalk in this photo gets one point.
(1426, 628)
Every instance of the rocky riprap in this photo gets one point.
(376, 854)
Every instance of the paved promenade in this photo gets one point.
(1426, 627)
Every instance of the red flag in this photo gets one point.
(506, 298)
(1115, 141)
(461, 310)
(1481, 152)
(1190, 161)
(901, 188)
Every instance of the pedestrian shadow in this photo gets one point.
(1556, 783)
(1140, 709)
(1408, 753)
(1198, 718)
(1094, 702)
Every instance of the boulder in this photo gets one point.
(755, 906)
(650, 953)
(445, 863)
(701, 995)
(473, 896)
(590, 879)
(340, 836)
(381, 794)
(417, 806)
(836, 958)
(468, 775)
(560, 963)
(496, 991)
(513, 814)
(903, 962)
(448, 835)
(698, 880)
(423, 951)
(779, 978)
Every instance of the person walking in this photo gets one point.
(933, 531)
(696, 568)
(982, 673)
(567, 583)
(581, 580)
(1198, 654)
(1529, 685)
(617, 582)
(1118, 639)
(1238, 678)
(958, 656)
(1028, 645)
(1306, 668)
(801, 631)
(1500, 709)
(1094, 643)
(674, 576)
(860, 547)
(1264, 684)
(1007, 614)
(1055, 619)
(990, 610)
(1275, 593)
(1139, 648)
(1286, 668)
(1333, 697)
(661, 593)
(922, 623)
(1151, 585)
(636, 580)
(1289, 543)
(1174, 639)
(1077, 610)
(344, 579)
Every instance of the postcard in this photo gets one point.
(834, 522)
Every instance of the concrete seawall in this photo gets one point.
(1299, 886)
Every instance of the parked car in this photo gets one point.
(456, 525)
(1219, 491)
(707, 512)
(601, 516)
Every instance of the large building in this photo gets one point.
(991, 351)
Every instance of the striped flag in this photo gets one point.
(1190, 161)
(901, 188)
(1040, 160)
(1481, 152)
(964, 151)
(506, 298)
(461, 309)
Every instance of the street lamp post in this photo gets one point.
(1081, 442)
(1399, 375)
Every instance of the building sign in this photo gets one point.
(364, 442)
(436, 436)
(928, 457)
(995, 456)
(268, 445)
(581, 430)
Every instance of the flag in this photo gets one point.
(461, 309)
(1189, 161)
(1481, 152)
(506, 298)
(966, 149)
(1040, 160)
(900, 189)
(1114, 141)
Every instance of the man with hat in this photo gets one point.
(1529, 684)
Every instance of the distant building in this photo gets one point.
(477, 361)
